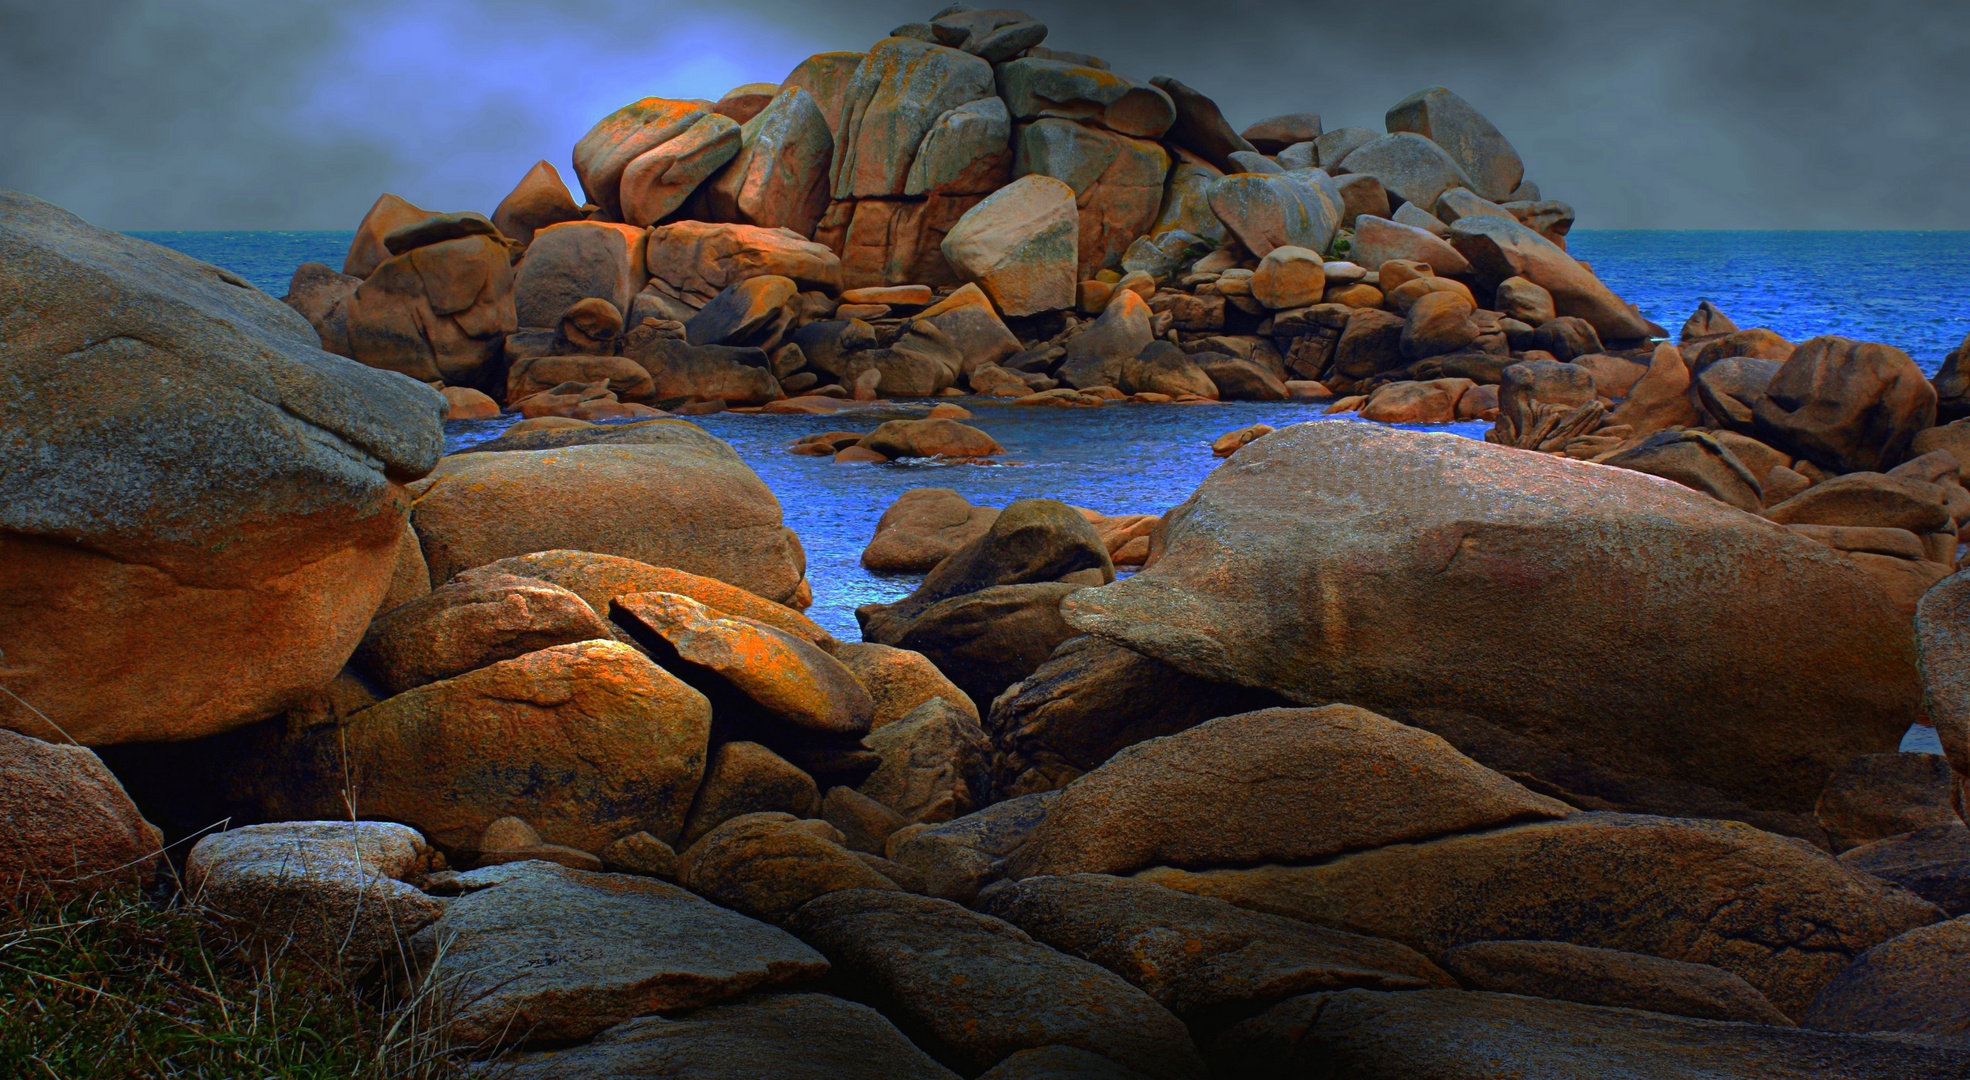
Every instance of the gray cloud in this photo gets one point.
(1674, 114)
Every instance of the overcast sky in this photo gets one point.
(255, 114)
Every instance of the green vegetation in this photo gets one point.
(118, 985)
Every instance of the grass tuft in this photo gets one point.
(119, 984)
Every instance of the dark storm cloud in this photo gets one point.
(1674, 113)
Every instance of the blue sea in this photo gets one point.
(1908, 289)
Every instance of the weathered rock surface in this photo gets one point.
(540, 199)
(1782, 916)
(1933, 863)
(717, 518)
(1881, 795)
(1378, 240)
(785, 1036)
(1590, 976)
(599, 579)
(779, 177)
(767, 865)
(1058, 1063)
(468, 624)
(542, 953)
(899, 680)
(934, 763)
(1915, 984)
(203, 546)
(1487, 533)
(1278, 785)
(333, 892)
(922, 528)
(972, 989)
(605, 153)
(1021, 245)
(574, 261)
(747, 778)
(895, 96)
(960, 857)
(1467, 1036)
(1846, 405)
(1299, 209)
(1500, 248)
(1201, 958)
(699, 259)
(1471, 141)
(66, 824)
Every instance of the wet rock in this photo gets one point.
(972, 989)
(1463, 133)
(1590, 976)
(1201, 958)
(747, 667)
(930, 438)
(1881, 795)
(1326, 493)
(141, 598)
(542, 953)
(605, 153)
(1453, 1034)
(465, 625)
(779, 177)
(540, 199)
(1846, 405)
(786, 1036)
(332, 892)
(574, 261)
(1915, 983)
(747, 778)
(768, 865)
(935, 763)
(1500, 248)
(66, 824)
(1693, 890)
(720, 521)
(1933, 863)
(1278, 785)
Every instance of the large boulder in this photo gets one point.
(1097, 355)
(388, 214)
(542, 953)
(1020, 246)
(436, 312)
(1591, 976)
(958, 858)
(1091, 699)
(336, 893)
(922, 528)
(1261, 584)
(1779, 914)
(736, 375)
(1034, 86)
(1278, 785)
(894, 98)
(899, 681)
(767, 865)
(1942, 632)
(322, 295)
(779, 178)
(587, 742)
(670, 495)
(1295, 209)
(1918, 983)
(66, 824)
(1846, 406)
(540, 199)
(1117, 182)
(471, 622)
(1878, 796)
(600, 579)
(659, 180)
(967, 152)
(934, 763)
(747, 778)
(972, 989)
(1378, 240)
(1460, 1035)
(1462, 132)
(1500, 248)
(785, 1036)
(1199, 957)
(1933, 863)
(1410, 166)
(574, 261)
(202, 512)
(1200, 126)
(700, 259)
(621, 137)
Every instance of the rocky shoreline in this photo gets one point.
(1567, 752)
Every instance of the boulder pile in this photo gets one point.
(964, 209)
(1571, 751)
